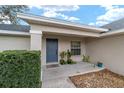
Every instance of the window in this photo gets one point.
(75, 48)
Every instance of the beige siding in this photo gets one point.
(109, 50)
(63, 45)
(14, 43)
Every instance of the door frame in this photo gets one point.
(57, 51)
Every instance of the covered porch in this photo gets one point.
(52, 41)
(52, 44)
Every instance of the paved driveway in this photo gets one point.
(58, 77)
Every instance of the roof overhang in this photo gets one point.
(111, 33)
(40, 20)
(16, 33)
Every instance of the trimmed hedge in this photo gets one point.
(20, 69)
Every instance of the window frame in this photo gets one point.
(76, 50)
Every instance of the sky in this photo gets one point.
(95, 15)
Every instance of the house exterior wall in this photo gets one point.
(14, 43)
(64, 43)
(108, 50)
(35, 41)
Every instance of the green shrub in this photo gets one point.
(69, 54)
(66, 54)
(62, 54)
(62, 62)
(20, 69)
(70, 61)
(86, 58)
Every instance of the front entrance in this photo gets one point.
(51, 50)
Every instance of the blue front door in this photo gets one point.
(51, 50)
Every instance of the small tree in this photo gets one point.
(86, 58)
(69, 60)
(8, 13)
(69, 54)
(62, 55)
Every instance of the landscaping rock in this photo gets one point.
(100, 79)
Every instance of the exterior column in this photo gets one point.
(36, 40)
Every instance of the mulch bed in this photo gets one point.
(101, 79)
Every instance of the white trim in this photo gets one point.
(6, 32)
(96, 69)
(59, 22)
(35, 32)
(116, 32)
(52, 63)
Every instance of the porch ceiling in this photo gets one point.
(67, 34)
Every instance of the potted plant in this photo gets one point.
(99, 64)
(62, 56)
(69, 57)
(69, 60)
(86, 58)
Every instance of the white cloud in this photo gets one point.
(107, 7)
(58, 11)
(50, 14)
(60, 8)
(92, 24)
(73, 19)
(100, 23)
(56, 7)
(112, 13)
(65, 17)
(37, 6)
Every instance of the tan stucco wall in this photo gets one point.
(36, 41)
(14, 43)
(64, 43)
(109, 50)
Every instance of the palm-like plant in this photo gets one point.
(69, 60)
(66, 55)
(62, 55)
(86, 58)
(69, 54)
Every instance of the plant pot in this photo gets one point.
(99, 64)
(62, 62)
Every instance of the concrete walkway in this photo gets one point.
(58, 77)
